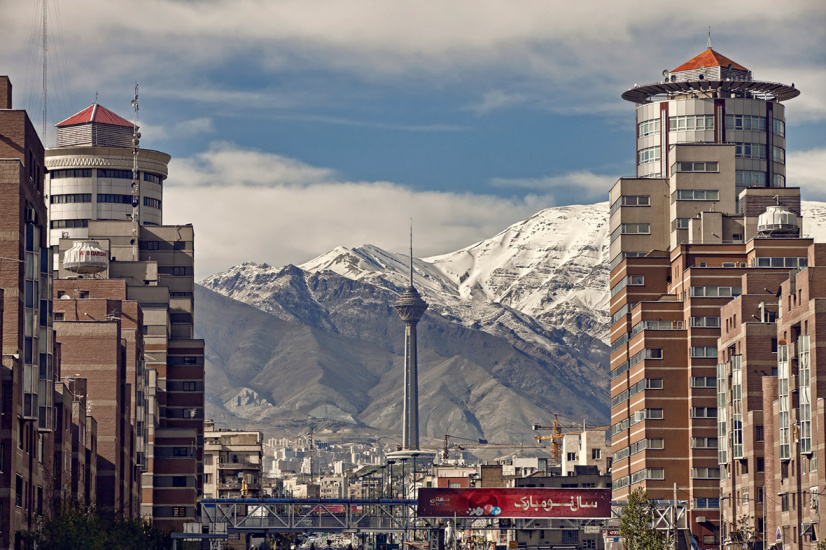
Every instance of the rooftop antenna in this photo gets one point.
(709, 37)
(45, 63)
(136, 194)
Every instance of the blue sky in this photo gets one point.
(299, 125)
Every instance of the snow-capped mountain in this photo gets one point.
(516, 331)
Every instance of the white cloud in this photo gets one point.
(573, 53)
(588, 185)
(807, 170)
(497, 99)
(252, 206)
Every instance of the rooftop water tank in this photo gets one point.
(777, 221)
(85, 258)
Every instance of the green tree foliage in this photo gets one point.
(75, 526)
(637, 524)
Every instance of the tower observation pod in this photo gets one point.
(711, 99)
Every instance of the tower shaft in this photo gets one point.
(410, 416)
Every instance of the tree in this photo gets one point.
(637, 524)
(742, 535)
(72, 525)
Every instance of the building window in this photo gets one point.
(705, 473)
(746, 122)
(648, 127)
(703, 351)
(152, 203)
(680, 223)
(703, 442)
(154, 178)
(68, 224)
(783, 420)
(703, 382)
(778, 180)
(71, 198)
(750, 178)
(190, 386)
(71, 173)
(691, 122)
(715, 291)
(696, 195)
(150, 245)
(18, 491)
(750, 150)
(704, 321)
(784, 502)
(778, 127)
(596, 454)
(630, 280)
(779, 154)
(648, 155)
(113, 198)
(697, 167)
(571, 456)
(118, 174)
(703, 412)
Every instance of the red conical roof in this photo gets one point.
(95, 113)
(708, 58)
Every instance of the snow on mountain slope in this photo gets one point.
(551, 268)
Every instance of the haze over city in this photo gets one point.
(329, 122)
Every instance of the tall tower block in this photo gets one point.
(410, 308)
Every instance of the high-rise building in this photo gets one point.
(98, 180)
(90, 174)
(27, 375)
(703, 210)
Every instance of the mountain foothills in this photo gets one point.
(516, 331)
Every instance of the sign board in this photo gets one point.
(591, 529)
(527, 502)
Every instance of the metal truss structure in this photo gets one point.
(311, 515)
(221, 517)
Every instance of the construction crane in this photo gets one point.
(557, 433)
(481, 444)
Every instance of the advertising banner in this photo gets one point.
(527, 502)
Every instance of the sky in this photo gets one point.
(299, 125)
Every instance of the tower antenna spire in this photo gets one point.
(709, 37)
(411, 252)
(45, 52)
(136, 191)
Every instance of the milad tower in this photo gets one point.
(410, 308)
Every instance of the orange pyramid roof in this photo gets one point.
(95, 113)
(708, 58)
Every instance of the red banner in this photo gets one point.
(527, 502)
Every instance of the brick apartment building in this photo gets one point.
(101, 342)
(707, 219)
(27, 376)
(770, 392)
(168, 391)
(104, 405)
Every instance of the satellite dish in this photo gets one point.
(701, 77)
(665, 73)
